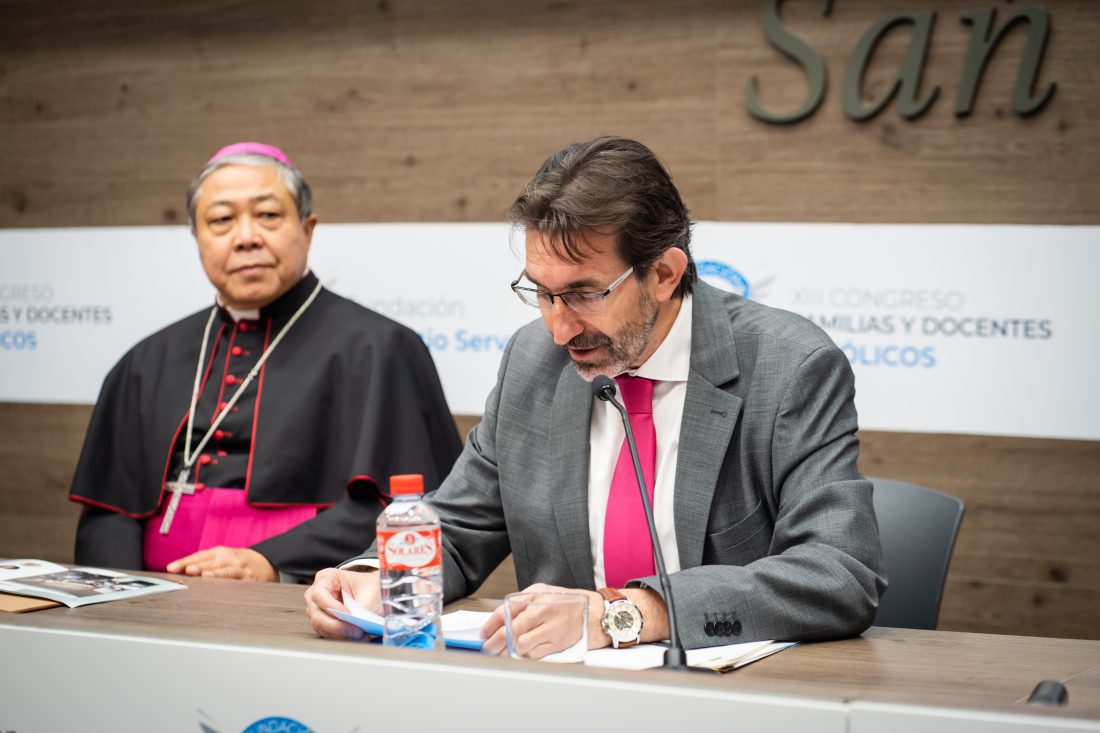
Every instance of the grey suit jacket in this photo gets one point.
(774, 525)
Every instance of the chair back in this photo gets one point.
(918, 527)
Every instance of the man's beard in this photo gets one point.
(623, 350)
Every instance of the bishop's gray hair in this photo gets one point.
(295, 184)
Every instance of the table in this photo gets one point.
(225, 655)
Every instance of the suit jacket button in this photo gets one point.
(737, 628)
(708, 629)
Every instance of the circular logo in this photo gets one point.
(277, 725)
(723, 276)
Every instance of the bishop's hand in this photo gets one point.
(242, 563)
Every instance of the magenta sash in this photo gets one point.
(211, 517)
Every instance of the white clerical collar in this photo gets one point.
(672, 359)
(237, 314)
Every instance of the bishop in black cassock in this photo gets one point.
(346, 399)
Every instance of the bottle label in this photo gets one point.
(408, 549)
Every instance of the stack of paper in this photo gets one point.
(724, 658)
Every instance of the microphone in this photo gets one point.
(1049, 692)
(603, 387)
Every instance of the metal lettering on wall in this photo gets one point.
(906, 88)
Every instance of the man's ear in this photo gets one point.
(669, 270)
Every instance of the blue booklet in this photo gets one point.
(461, 629)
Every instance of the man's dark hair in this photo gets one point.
(610, 186)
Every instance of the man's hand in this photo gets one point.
(544, 632)
(225, 562)
(541, 631)
(328, 587)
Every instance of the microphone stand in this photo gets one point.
(675, 657)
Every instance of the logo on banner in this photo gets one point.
(726, 277)
(277, 725)
(268, 725)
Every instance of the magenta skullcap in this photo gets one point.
(253, 148)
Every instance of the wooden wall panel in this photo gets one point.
(992, 166)
(1025, 560)
(429, 110)
(39, 446)
(439, 111)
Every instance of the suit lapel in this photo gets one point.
(710, 415)
(569, 454)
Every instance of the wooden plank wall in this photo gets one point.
(428, 110)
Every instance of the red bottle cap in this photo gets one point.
(407, 483)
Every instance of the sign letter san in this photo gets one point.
(911, 101)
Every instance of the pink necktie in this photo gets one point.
(627, 551)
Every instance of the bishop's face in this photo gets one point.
(252, 244)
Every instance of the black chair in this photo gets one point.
(918, 527)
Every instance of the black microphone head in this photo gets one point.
(603, 387)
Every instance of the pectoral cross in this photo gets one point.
(179, 487)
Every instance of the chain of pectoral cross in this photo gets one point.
(180, 486)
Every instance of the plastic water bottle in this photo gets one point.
(410, 553)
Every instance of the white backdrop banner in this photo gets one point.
(957, 329)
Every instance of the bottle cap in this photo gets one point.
(407, 483)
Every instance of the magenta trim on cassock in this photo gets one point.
(269, 151)
(211, 517)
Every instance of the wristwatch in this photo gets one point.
(622, 620)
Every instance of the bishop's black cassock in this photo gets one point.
(347, 399)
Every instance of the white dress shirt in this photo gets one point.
(669, 365)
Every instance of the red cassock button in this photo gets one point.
(243, 325)
(222, 406)
(236, 351)
(205, 459)
(199, 486)
(230, 379)
(219, 435)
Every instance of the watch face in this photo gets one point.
(622, 621)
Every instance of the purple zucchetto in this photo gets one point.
(253, 148)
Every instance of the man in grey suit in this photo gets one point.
(765, 523)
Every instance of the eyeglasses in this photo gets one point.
(581, 301)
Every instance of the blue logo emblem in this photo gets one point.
(277, 725)
(725, 277)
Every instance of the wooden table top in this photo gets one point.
(947, 669)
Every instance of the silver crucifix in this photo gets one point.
(179, 487)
